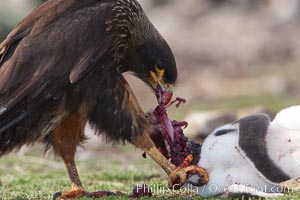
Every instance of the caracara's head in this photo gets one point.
(151, 58)
(154, 63)
(147, 54)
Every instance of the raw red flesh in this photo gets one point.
(168, 135)
(140, 191)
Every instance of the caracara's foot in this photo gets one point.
(179, 177)
(82, 193)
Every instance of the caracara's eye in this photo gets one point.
(160, 70)
(160, 66)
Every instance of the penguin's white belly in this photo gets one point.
(283, 147)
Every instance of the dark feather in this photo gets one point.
(64, 57)
(40, 56)
(117, 112)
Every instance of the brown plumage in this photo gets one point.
(62, 66)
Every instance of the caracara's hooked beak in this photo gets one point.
(163, 95)
(163, 91)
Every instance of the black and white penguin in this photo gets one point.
(252, 152)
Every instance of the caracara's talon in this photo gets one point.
(201, 172)
(82, 193)
(144, 155)
(99, 194)
(179, 177)
(56, 195)
(72, 194)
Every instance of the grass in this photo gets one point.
(32, 177)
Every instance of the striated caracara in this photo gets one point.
(62, 66)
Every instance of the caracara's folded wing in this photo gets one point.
(52, 48)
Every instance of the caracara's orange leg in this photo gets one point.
(177, 176)
(65, 139)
